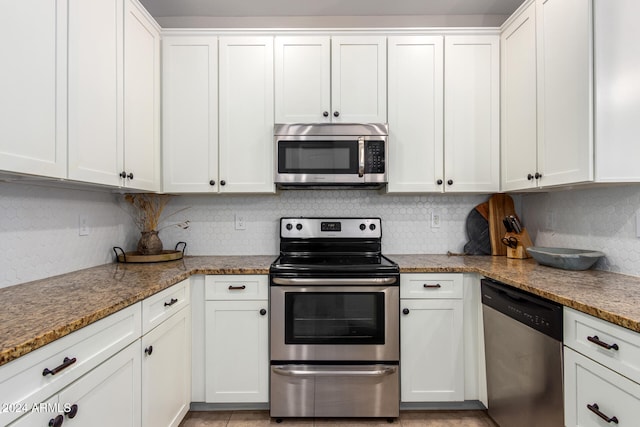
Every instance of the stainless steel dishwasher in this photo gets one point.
(523, 346)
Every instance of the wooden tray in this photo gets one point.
(137, 257)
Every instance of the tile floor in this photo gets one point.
(407, 418)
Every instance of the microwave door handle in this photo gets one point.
(360, 157)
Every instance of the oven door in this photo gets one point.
(334, 322)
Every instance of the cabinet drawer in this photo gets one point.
(431, 286)
(236, 287)
(589, 383)
(591, 336)
(157, 308)
(22, 380)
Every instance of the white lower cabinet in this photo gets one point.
(236, 340)
(166, 360)
(601, 372)
(109, 395)
(431, 338)
(166, 371)
(596, 396)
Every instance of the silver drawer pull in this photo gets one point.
(302, 372)
(596, 410)
(237, 288)
(594, 339)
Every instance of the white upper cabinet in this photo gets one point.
(33, 78)
(113, 94)
(565, 137)
(190, 114)
(587, 96)
(141, 97)
(331, 79)
(359, 79)
(471, 114)
(95, 91)
(518, 107)
(303, 79)
(415, 108)
(617, 86)
(246, 114)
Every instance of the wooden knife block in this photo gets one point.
(524, 241)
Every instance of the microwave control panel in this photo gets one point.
(374, 157)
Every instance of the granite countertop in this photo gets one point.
(37, 313)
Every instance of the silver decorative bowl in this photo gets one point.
(565, 258)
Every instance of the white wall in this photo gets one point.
(39, 231)
(39, 226)
(280, 22)
(602, 219)
(405, 220)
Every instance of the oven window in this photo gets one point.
(327, 157)
(334, 318)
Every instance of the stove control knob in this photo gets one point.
(363, 227)
(372, 227)
(289, 226)
(298, 226)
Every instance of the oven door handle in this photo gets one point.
(372, 281)
(334, 372)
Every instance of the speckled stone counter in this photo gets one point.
(609, 296)
(36, 313)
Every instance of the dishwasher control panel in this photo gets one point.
(538, 313)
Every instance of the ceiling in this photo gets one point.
(318, 8)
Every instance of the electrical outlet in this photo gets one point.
(435, 220)
(239, 222)
(83, 225)
(550, 221)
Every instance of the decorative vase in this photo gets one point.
(149, 243)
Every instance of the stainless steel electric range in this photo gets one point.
(334, 327)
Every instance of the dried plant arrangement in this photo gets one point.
(147, 212)
(147, 209)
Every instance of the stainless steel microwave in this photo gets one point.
(331, 155)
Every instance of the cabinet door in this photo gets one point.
(166, 371)
(519, 118)
(591, 388)
(107, 396)
(95, 92)
(190, 114)
(141, 98)
(565, 137)
(415, 113)
(246, 115)
(237, 352)
(617, 96)
(40, 415)
(359, 79)
(302, 79)
(431, 351)
(472, 114)
(33, 80)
